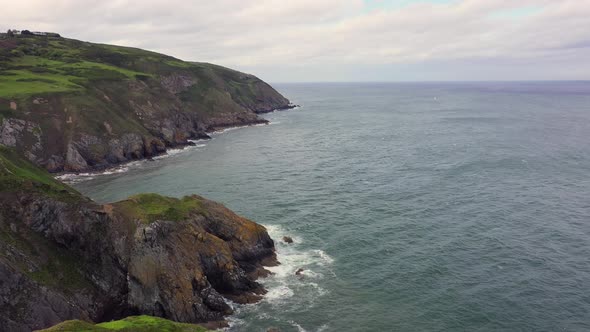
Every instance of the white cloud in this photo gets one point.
(315, 33)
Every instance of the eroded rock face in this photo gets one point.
(169, 272)
(177, 82)
(16, 293)
(119, 121)
(71, 260)
(21, 134)
(74, 160)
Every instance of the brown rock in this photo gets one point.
(183, 269)
(287, 239)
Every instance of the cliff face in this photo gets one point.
(64, 257)
(76, 106)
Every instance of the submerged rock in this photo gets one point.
(287, 239)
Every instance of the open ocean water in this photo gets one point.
(414, 207)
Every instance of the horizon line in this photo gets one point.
(432, 81)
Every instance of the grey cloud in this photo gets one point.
(337, 34)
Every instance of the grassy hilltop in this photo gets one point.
(36, 65)
(70, 105)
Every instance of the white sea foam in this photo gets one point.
(279, 293)
(323, 328)
(325, 257)
(284, 288)
(299, 327)
(174, 152)
(79, 177)
(225, 130)
(284, 282)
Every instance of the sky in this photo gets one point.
(337, 40)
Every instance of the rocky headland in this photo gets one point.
(64, 257)
(73, 106)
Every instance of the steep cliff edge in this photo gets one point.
(76, 106)
(64, 257)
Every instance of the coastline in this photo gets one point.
(269, 289)
(280, 284)
(191, 142)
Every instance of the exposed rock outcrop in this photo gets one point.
(65, 257)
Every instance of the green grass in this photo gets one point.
(151, 207)
(24, 82)
(129, 324)
(37, 75)
(149, 323)
(75, 326)
(178, 63)
(17, 174)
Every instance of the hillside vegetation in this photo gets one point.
(17, 174)
(129, 324)
(70, 105)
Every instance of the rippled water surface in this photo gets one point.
(414, 207)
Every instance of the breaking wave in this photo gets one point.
(285, 287)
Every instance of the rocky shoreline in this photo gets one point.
(189, 142)
(63, 256)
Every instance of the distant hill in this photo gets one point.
(70, 105)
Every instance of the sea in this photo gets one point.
(412, 206)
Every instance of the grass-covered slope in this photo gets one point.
(18, 174)
(150, 207)
(75, 106)
(35, 65)
(129, 324)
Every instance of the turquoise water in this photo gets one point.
(414, 207)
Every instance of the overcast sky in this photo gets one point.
(337, 40)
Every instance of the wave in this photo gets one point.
(225, 130)
(314, 264)
(173, 152)
(79, 177)
(286, 289)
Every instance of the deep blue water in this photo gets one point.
(414, 207)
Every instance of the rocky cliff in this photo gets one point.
(75, 106)
(64, 257)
